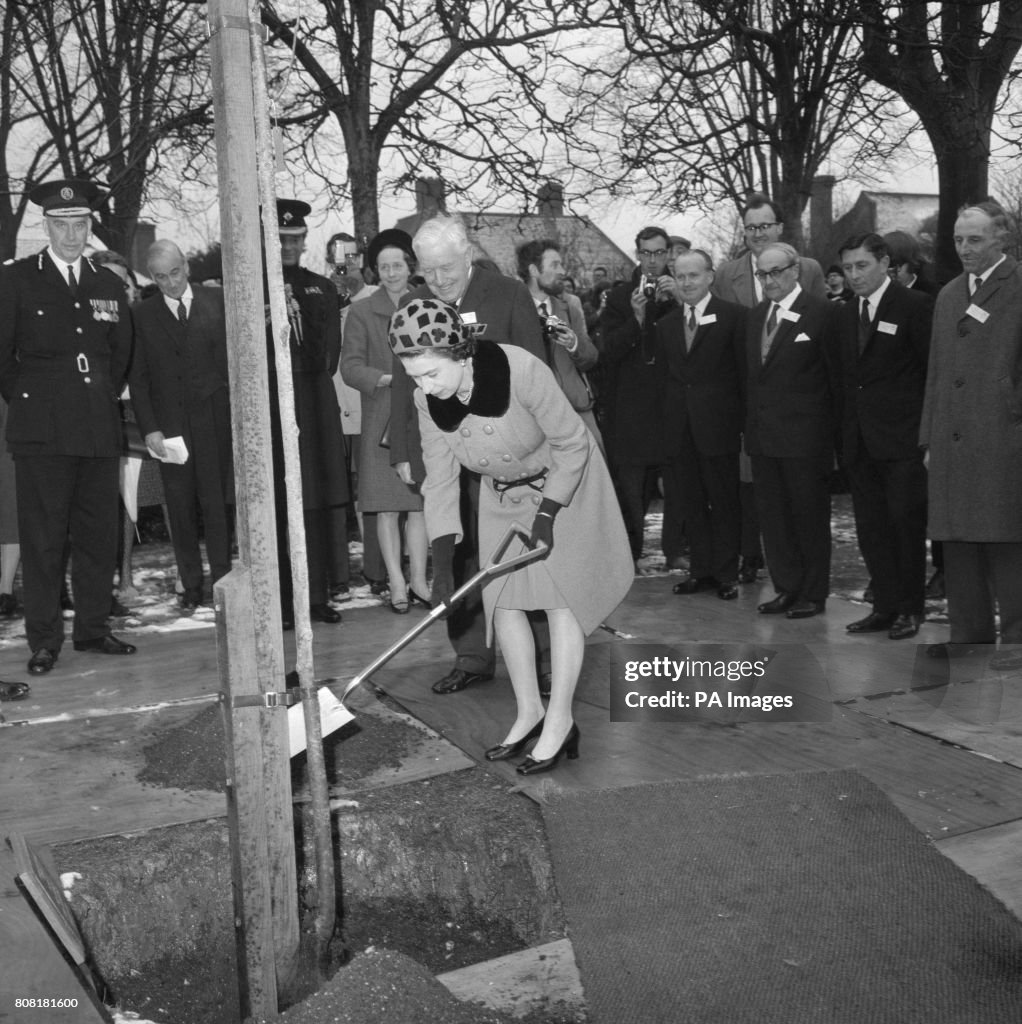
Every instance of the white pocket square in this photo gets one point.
(803, 337)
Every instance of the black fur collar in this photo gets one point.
(491, 390)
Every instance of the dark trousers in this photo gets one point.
(980, 577)
(204, 481)
(702, 491)
(793, 499)
(466, 625)
(889, 499)
(62, 496)
(633, 491)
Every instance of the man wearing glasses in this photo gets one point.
(736, 281)
(634, 434)
(789, 431)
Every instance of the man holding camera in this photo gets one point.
(569, 351)
(635, 445)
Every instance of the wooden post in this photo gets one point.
(262, 838)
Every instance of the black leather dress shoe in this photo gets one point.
(778, 605)
(8, 606)
(694, 584)
(108, 644)
(457, 679)
(530, 766)
(805, 609)
(905, 626)
(727, 591)
(324, 613)
(875, 622)
(42, 661)
(190, 599)
(502, 751)
(13, 691)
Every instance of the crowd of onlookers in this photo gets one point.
(736, 390)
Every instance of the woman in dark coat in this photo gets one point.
(497, 410)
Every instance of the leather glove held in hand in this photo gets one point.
(443, 569)
(543, 524)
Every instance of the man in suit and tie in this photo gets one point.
(635, 434)
(789, 432)
(881, 345)
(65, 346)
(736, 281)
(180, 388)
(568, 350)
(701, 366)
(499, 309)
(972, 428)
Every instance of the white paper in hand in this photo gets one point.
(176, 449)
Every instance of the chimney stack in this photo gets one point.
(550, 199)
(430, 198)
(821, 215)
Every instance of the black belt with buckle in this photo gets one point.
(500, 486)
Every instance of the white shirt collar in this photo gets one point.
(62, 265)
(700, 306)
(986, 273)
(874, 297)
(788, 299)
(186, 298)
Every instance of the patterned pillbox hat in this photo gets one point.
(425, 324)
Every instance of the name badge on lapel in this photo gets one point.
(468, 318)
(977, 313)
(791, 317)
(707, 318)
(886, 328)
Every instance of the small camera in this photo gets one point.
(648, 286)
(550, 327)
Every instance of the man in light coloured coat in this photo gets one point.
(972, 430)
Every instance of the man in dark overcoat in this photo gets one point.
(881, 345)
(312, 309)
(972, 429)
(635, 435)
(65, 346)
(180, 388)
(701, 369)
(789, 433)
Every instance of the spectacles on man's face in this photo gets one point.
(651, 254)
(773, 275)
(760, 229)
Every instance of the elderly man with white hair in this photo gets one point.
(497, 308)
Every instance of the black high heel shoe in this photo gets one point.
(414, 599)
(530, 766)
(502, 751)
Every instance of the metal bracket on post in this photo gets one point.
(271, 699)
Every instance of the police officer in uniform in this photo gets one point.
(312, 308)
(65, 345)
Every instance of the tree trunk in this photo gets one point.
(963, 177)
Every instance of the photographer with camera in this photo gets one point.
(569, 351)
(634, 429)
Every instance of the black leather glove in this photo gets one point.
(443, 569)
(543, 524)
